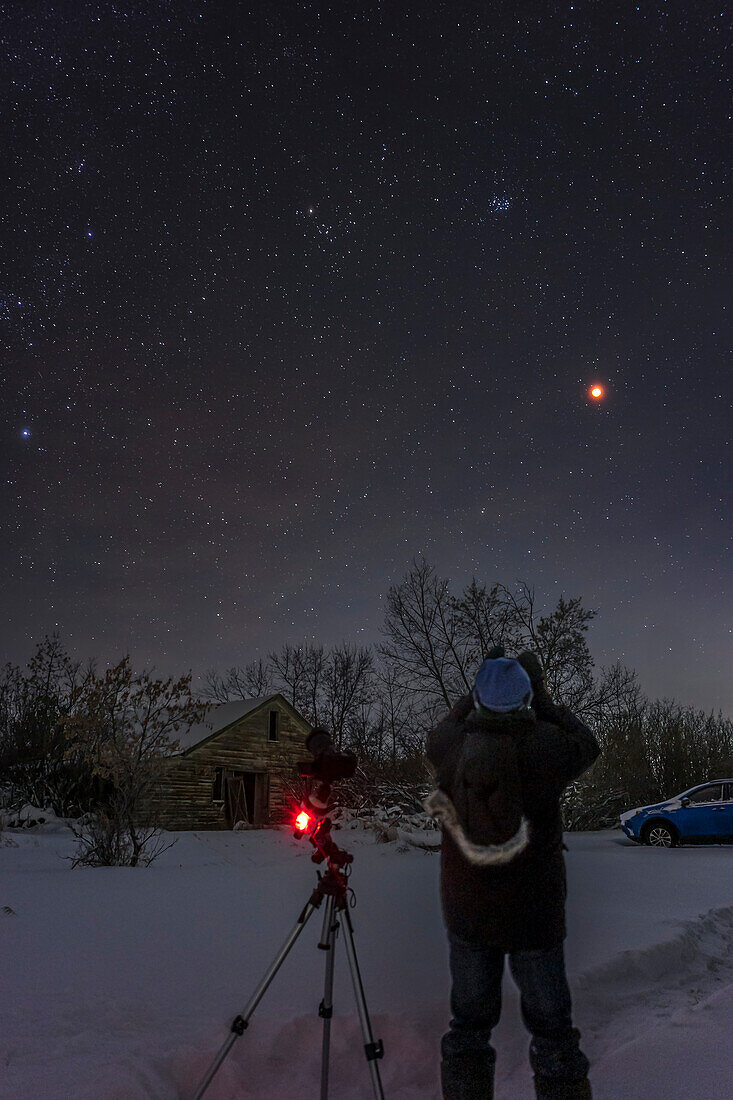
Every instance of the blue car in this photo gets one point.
(702, 815)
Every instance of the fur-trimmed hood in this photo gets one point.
(479, 796)
(439, 806)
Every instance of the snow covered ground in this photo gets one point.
(120, 984)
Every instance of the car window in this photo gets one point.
(728, 792)
(711, 793)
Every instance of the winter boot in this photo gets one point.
(562, 1088)
(468, 1076)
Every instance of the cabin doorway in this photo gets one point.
(246, 798)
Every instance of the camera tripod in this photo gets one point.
(333, 886)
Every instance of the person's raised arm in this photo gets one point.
(443, 741)
(573, 748)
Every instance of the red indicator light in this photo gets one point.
(302, 821)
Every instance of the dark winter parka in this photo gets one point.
(500, 778)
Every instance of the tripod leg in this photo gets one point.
(241, 1022)
(373, 1050)
(325, 1011)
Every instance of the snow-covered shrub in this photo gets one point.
(8, 807)
(125, 726)
(28, 816)
(393, 787)
(34, 705)
(388, 800)
(388, 806)
(392, 824)
(106, 841)
(586, 806)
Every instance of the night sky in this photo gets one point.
(293, 293)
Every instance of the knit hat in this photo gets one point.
(501, 685)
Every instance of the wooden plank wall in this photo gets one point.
(184, 799)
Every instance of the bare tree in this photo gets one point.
(423, 643)
(651, 751)
(289, 671)
(365, 734)
(485, 618)
(435, 642)
(125, 726)
(252, 681)
(347, 687)
(299, 673)
(315, 663)
(684, 746)
(33, 703)
(396, 714)
(558, 639)
(617, 697)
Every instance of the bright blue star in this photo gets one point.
(26, 433)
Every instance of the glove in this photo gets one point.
(531, 665)
(461, 709)
(541, 700)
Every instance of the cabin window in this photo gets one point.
(274, 725)
(217, 794)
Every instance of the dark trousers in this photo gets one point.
(545, 1000)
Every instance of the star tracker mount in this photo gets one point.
(326, 767)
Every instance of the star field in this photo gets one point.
(295, 294)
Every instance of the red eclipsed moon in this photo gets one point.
(596, 392)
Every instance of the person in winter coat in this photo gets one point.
(502, 758)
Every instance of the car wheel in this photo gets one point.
(659, 835)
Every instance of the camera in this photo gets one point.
(328, 765)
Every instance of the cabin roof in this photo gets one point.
(219, 718)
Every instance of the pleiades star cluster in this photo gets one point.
(293, 293)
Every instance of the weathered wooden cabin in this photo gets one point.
(232, 769)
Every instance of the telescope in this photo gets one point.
(327, 766)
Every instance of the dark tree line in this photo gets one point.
(68, 736)
(382, 700)
(91, 746)
(34, 702)
(652, 749)
(433, 643)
